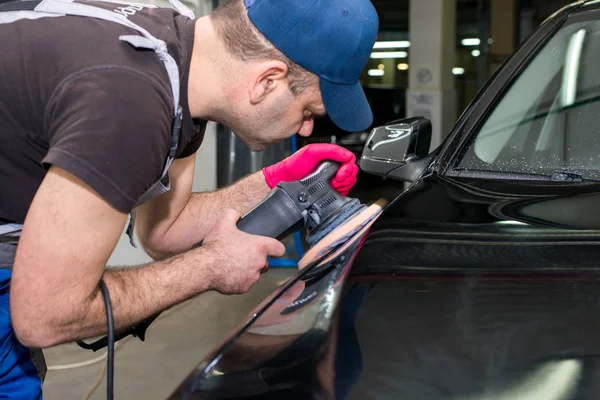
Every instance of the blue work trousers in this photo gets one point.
(19, 376)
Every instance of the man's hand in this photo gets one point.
(241, 256)
(304, 161)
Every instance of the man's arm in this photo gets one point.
(67, 238)
(178, 219)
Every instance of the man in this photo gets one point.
(86, 127)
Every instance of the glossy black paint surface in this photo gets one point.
(287, 347)
(478, 339)
(470, 226)
(466, 288)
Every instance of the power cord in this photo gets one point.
(78, 364)
(110, 362)
(111, 342)
(88, 395)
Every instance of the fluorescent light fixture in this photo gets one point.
(470, 42)
(458, 71)
(389, 54)
(400, 44)
(375, 72)
(571, 70)
(476, 53)
(402, 66)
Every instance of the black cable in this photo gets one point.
(111, 341)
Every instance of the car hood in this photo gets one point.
(464, 289)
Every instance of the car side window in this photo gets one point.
(549, 119)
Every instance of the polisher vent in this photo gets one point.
(327, 202)
(314, 189)
(310, 180)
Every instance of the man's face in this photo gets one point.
(279, 116)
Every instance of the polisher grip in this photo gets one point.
(281, 213)
(276, 216)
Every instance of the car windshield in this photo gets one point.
(549, 118)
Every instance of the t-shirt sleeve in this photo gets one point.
(192, 146)
(111, 128)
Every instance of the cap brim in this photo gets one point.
(347, 105)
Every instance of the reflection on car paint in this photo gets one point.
(292, 341)
(481, 339)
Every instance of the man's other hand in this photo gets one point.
(306, 160)
(237, 257)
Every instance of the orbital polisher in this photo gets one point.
(310, 201)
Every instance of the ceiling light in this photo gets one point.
(376, 72)
(458, 71)
(470, 42)
(381, 66)
(401, 44)
(403, 66)
(389, 54)
(475, 53)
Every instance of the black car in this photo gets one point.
(480, 279)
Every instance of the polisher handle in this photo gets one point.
(276, 216)
(281, 212)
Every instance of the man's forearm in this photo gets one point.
(203, 209)
(137, 293)
(240, 196)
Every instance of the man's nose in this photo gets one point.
(306, 128)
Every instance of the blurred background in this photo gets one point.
(430, 59)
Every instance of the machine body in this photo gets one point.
(310, 202)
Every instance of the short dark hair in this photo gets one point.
(246, 43)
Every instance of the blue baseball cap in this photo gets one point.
(333, 39)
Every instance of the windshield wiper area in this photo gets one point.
(557, 175)
(566, 176)
(494, 174)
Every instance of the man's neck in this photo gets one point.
(207, 77)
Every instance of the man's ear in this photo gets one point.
(266, 77)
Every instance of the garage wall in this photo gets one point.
(205, 177)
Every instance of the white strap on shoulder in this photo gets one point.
(127, 3)
(6, 17)
(182, 9)
(161, 50)
(178, 5)
(68, 7)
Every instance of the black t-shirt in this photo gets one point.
(75, 96)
